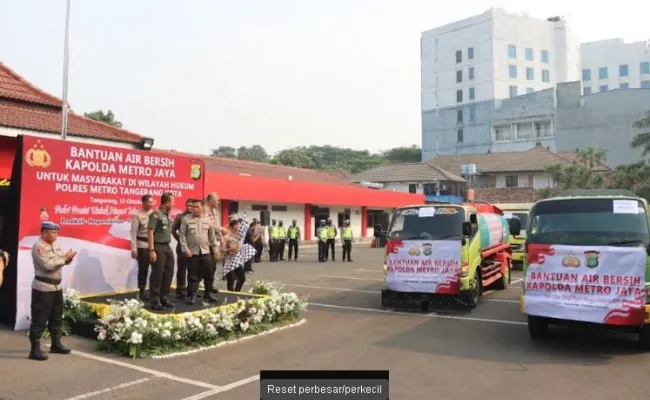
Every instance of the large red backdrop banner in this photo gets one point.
(92, 191)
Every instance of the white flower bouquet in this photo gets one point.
(131, 330)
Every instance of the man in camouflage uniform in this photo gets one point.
(47, 293)
(198, 241)
(181, 260)
(161, 254)
(139, 242)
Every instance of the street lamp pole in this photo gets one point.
(64, 97)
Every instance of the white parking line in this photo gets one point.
(109, 389)
(350, 277)
(378, 292)
(431, 315)
(225, 388)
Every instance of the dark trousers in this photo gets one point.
(259, 248)
(47, 311)
(248, 266)
(143, 268)
(238, 274)
(181, 270)
(293, 248)
(273, 249)
(330, 248)
(322, 250)
(162, 272)
(199, 268)
(281, 244)
(347, 249)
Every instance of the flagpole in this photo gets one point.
(64, 97)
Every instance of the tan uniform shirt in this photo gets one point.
(197, 235)
(48, 261)
(139, 226)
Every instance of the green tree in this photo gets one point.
(107, 118)
(633, 177)
(225, 152)
(577, 175)
(404, 154)
(642, 140)
(298, 157)
(253, 153)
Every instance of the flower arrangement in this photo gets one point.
(129, 329)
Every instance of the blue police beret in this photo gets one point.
(49, 225)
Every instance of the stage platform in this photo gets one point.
(100, 303)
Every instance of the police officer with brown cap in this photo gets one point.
(161, 254)
(181, 260)
(198, 240)
(139, 242)
(47, 293)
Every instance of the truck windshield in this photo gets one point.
(427, 223)
(590, 222)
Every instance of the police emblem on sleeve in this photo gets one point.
(37, 156)
(195, 170)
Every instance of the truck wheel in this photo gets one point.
(502, 284)
(644, 337)
(473, 295)
(537, 327)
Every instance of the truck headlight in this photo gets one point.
(464, 271)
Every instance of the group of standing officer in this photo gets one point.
(326, 234)
(279, 235)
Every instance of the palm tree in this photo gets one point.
(642, 140)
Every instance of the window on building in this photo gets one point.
(502, 133)
(470, 73)
(413, 188)
(529, 54)
(471, 93)
(624, 85)
(459, 116)
(512, 181)
(259, 207)
(525, 131)
(512, 51)
(604, 88)
(279, 208)
(375, 217)
(529, 90)
(622, 70)
(645, 67)
(586, 91)
(513, 91)
(603, 73)
(645, 84)
(472, 113)
(459, 135)
(530, 74)
(546, 76)
(459, 56)
(512, 71)
(545, 57)
(459, 96)
(543, 129)
(459, 76)
(470, 53)
(586, 74)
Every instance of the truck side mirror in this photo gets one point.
(473, 219)
(515, 226)
(467, 229)
(377, 230)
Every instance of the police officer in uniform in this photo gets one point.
(161, 254)
(181, 260)
(211, 210)
(346, 236)
(273, 241)
(47, 293)
(321, 234)
(282, 237)
(139, 242)
(198, 241)
(293, 236)
(331, 238)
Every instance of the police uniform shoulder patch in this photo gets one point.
(40, 250)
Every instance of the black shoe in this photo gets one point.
(181, 294)
(349, 260)
(143, 295)
(167, 304)
(191, 299)
(210, 298)
(58, 347)
(156, 305)
(35, 352)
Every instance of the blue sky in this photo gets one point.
(197, 74)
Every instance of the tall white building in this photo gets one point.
(495, 55)
(614, 64)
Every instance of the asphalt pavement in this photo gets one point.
(486, 353)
